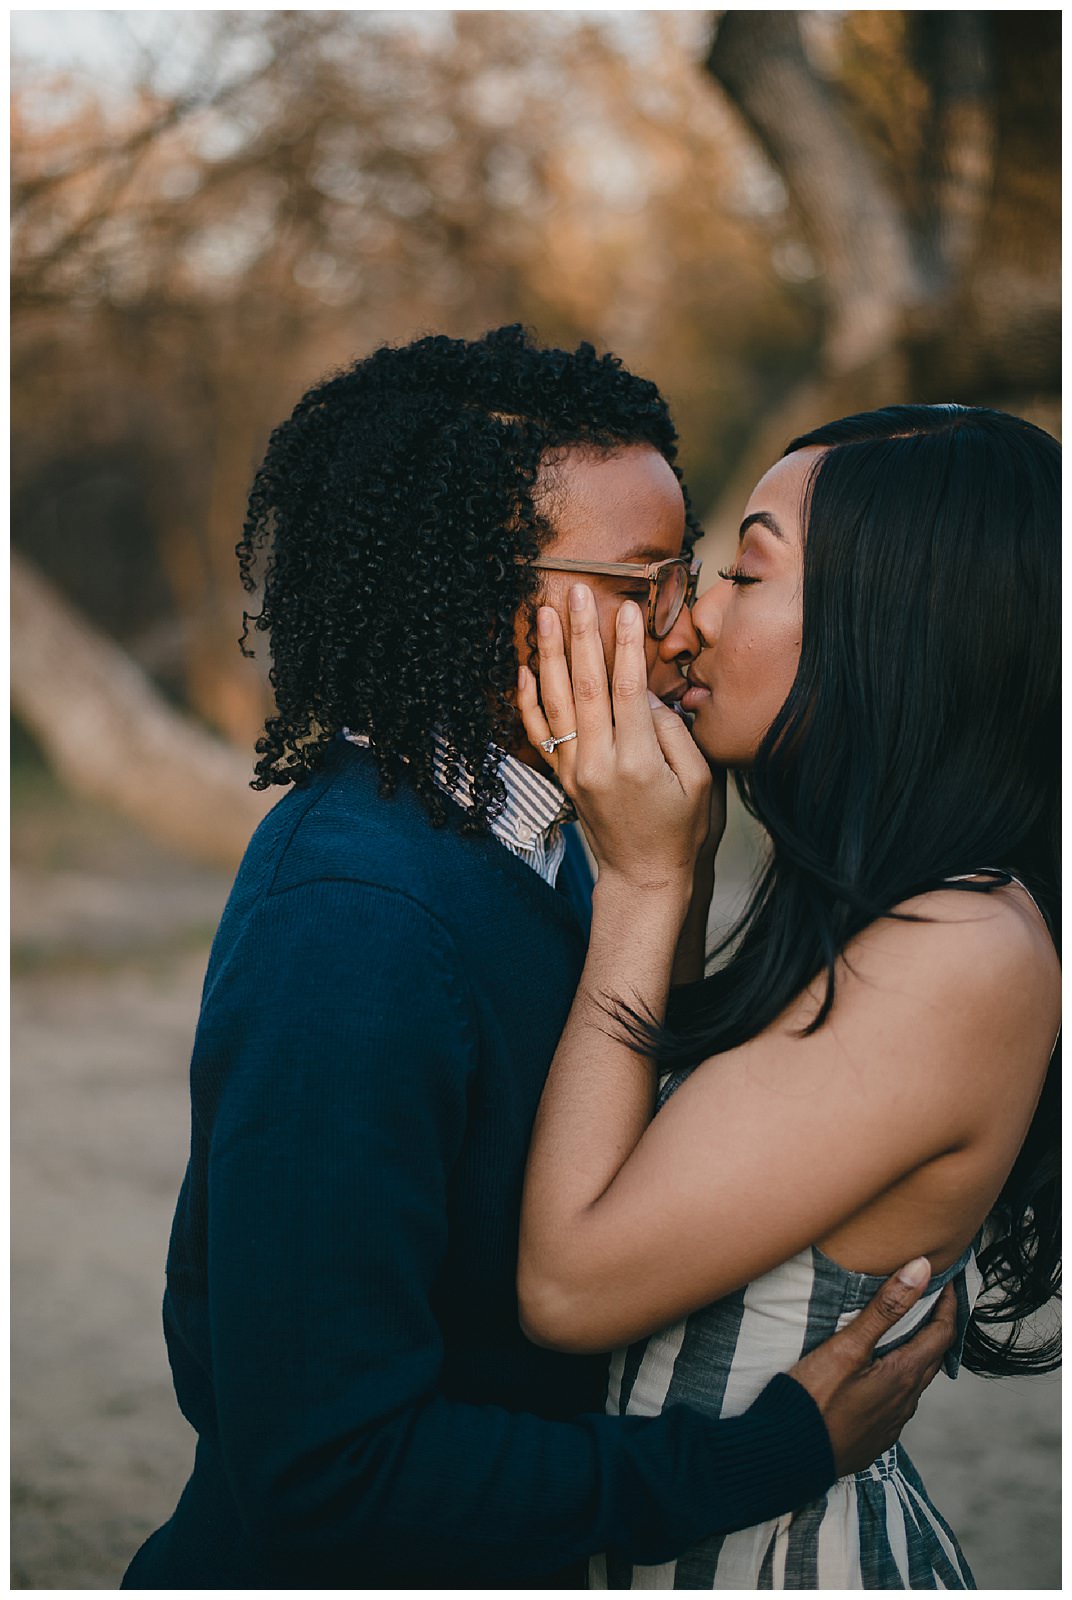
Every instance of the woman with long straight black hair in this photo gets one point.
(872, 1072)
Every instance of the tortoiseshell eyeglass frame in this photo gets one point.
(650, 570)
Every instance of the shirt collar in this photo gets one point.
(535, 802)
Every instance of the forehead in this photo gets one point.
(621, 507)
(781, 491)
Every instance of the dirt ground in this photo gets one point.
(110, 941)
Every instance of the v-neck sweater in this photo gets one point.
(382, 1003)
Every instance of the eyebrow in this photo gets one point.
(646, 553)
(766, 520)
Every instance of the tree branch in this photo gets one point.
(854, 222)
(112, 737)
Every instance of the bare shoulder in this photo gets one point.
(983, 961)
(970, 936)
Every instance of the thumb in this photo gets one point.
(679, 749)
(898, 1294)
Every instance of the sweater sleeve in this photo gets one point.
(336, 1072)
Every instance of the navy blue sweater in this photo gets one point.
(382, 1003)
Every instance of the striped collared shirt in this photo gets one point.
(530, 822)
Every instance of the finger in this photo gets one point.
(556, 691)
(531, 711)
(921, 1358)
(634, 734)
(679, 748)
(588, 674)
(933, 1340)
(897, 1295)
(931, 1373)
(945, 1312)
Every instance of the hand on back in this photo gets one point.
(866, 1401)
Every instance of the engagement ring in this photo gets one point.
(549, 744)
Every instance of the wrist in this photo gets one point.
(657, 899)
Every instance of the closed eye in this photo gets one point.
(735, 575)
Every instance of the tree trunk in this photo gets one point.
(111, 736)
(853, 220)
(931, 291)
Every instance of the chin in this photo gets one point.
(716, 744)
(706, 732)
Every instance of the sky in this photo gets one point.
(108, 44)
(112, 46)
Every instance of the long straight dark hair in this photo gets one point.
(920, 740)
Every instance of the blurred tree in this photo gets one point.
(185, 262)
(120, 744)
(921, 153)
(197, 259)
(190, 250)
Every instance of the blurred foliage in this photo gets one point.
(192, 247)
(185, 265)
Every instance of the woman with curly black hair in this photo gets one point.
(384, 995)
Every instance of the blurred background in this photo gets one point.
(779, 216)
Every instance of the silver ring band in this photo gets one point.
(550, 744)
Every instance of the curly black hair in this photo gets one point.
(398, 506)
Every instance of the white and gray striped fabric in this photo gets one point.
(530, 822)
(874, 1530)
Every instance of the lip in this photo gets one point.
(694, 681)
(674, 695)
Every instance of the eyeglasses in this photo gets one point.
(671, 584)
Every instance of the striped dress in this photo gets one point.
(875, 1529)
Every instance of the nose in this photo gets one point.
(681, 644)
(706, 614)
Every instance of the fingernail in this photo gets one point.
(578, 597)
(545, 620)
(653, 700)
(628, 615)
(916, 1272)
(522, 677)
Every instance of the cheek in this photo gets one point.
(521, 636)
(608, 614)
(758, 658)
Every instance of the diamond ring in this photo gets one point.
(549, 744)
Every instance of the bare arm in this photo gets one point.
(630, 1223)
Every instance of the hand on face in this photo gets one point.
(641, 787)
(624, 506)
